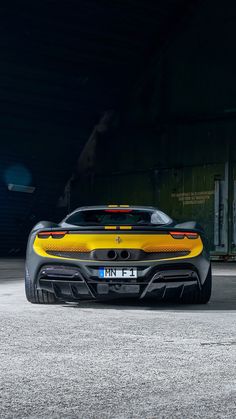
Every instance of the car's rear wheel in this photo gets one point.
(37, 296)
(200, 296)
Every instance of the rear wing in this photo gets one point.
(174, 232)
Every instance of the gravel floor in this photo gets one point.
(96, 360)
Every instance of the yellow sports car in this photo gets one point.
(117, 251)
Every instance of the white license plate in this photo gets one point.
(118, 272)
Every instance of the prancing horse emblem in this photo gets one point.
(118, 240)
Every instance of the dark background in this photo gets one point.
(117, 102)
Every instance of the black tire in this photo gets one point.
(200, 296)
(37, 296)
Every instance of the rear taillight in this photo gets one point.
(53, 234)
(44, 234)
(183, 234)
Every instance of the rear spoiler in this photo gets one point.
(178, 232)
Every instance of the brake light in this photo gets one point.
(44, 234)
(53, 234)
(183, 234)
(192, 235)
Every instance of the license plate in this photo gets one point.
(118, 273)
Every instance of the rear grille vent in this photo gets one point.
(105, 255)
(166, 255)
(71, 255)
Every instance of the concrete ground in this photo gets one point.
(96, 360)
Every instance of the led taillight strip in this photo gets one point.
(53, 234)
(183, 234)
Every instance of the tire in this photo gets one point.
(35, 296)
(200, 296)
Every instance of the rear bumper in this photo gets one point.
(162, 284)
(73, 280)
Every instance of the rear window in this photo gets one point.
(104, 217)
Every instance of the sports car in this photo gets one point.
(117, 251)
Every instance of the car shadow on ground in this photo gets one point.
(126, 304)
(223, 299)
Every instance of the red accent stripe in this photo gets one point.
(58, 233)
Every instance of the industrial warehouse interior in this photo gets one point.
(126, 109)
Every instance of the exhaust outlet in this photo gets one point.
(124, 254)
(112, 255)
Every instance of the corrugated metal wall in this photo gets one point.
(38, 116)
(204, 190)
(62, 65)
(175, 145)
(20, 211)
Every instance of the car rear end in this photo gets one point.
(118, 260)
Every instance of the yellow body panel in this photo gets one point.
(88, 242)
